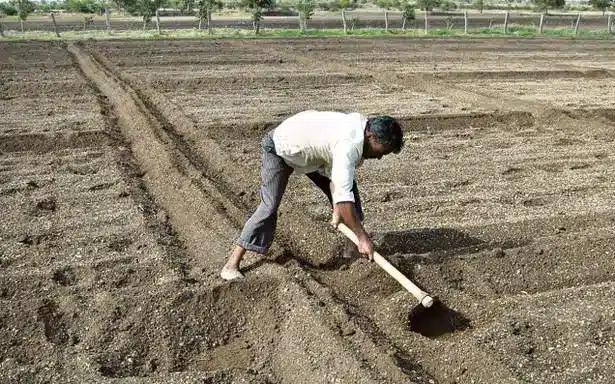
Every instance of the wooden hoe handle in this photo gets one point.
(421, 296)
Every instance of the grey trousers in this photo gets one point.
(258, 232)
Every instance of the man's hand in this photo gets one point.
(345, 212)
(366, 247)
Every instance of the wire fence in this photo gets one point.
(460, 21)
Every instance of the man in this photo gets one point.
(327, 147)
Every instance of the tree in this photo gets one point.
(387, 5)
(145, 8)
(408, 13)
(256, 8)
(602, 5)
(24, 8)
(206, 8)
(545, 5)
(344, 5)
(184, 5)
(428, 5)
(447, 6)
(84, 6)
(479, 4)
(305, 8)
(8, 9)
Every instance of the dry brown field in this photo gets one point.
(127, 169)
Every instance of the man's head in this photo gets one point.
(383, 135)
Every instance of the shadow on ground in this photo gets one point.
(436, 321)
(424, 240)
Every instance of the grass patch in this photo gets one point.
(235, 33)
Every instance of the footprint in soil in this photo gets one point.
(37, 239)
(65, 276)
(119, 243)
(45, 206)
(511, 170)
(52, 319)
(436, 321)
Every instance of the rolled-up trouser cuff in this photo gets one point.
(252, 247)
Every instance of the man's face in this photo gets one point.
(372, 149)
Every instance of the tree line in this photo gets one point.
(257, 8)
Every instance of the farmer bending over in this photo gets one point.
(327, 147)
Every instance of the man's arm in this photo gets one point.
(345, 211)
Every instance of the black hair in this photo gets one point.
(388, 131)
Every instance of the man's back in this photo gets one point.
(308, 140)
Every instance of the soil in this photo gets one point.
(127, 169)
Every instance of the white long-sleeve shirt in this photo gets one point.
(330, 143)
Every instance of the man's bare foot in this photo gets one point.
(229, 273)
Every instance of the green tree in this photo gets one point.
(184, 5)
(145, 8)
(428, 5)
(545, 5)
(408, 12)
(344, 5)
(84, 6)
(305, 8)
(256, 8)
(602, 5)
(24, 8)
(347, 4)
(8, 9)
(479, 4)
(206, 8)
(388, 4)
(447, 6)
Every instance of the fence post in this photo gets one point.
(542, 20)
(55, 26)
(210, 28)
(465, 22)
(107, 21)
(609, 22)
(426, 23)
(506, 22)
(576, 26)
(157, 21)
(344, 21)
(386, 20)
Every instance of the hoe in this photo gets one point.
(419, 294)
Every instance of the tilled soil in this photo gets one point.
(123, 189)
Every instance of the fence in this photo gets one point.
(459, 21)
